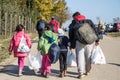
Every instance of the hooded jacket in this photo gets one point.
(44, 43)
(72, 28)
(14, 43)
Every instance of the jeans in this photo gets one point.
(62, 61)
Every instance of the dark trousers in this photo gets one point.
(40, 33)
(63, 61)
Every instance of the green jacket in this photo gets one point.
(44, 43)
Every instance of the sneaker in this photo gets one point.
(81, 76)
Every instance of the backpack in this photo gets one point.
(85, 33)
(40, 25)
(54, 53)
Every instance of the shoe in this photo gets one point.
(36, 72)
(65, 73)
(81, 76)
(47, 75)
(61, 75)
(20, 74)
(87, 73)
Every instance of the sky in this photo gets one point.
(106, 10)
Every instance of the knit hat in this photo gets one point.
(60, 32)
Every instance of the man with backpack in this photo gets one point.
(82, 37)
(40, 26)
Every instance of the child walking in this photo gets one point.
(63, 44)
(44, 45)
(14, 43)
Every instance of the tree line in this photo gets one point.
(26, 12)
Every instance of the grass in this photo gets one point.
(114, 34)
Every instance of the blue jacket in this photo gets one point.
(63, 43)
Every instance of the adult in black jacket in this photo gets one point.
(83, 52)
(40, 26)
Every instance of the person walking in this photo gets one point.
(44, 45)
(83, 52)
(55, 24)
(40, 26)
(14, 43)
(101, 29)
(63, 44)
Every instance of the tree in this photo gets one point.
(44, 7)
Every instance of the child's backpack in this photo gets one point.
(85, 33)
(54, 53)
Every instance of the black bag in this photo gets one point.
(85, 33)
(54, 53)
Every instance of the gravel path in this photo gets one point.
(109, 71)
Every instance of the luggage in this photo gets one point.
(85, 33)
(54, 53)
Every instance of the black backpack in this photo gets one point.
(41, 25)
(85, 32)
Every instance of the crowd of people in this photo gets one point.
(50, 32)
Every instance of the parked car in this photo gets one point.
(116, 27)
(109, 28)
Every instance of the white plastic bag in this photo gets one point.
(23, 46)
(97, 56)
(71, 59)
(34, 62)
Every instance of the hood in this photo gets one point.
(60, 32)
(79, 17)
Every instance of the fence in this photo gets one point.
(8, 24)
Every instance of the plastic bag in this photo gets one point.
(71, 59)
(97, 56)
(34, 62)
(23, 46)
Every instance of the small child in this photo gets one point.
(44, 45)
(14, 43)
(63, 44)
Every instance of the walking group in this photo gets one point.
(82, 37)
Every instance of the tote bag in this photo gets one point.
(97, 56)
(71, 59)
(23, 46)
(34, 62)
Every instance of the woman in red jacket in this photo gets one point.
(14, 43)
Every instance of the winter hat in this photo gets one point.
(60, 32)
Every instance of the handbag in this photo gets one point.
(71, 59)
(97, 56)
(34, 62)
(23, 46)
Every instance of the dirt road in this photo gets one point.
(109, 71)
